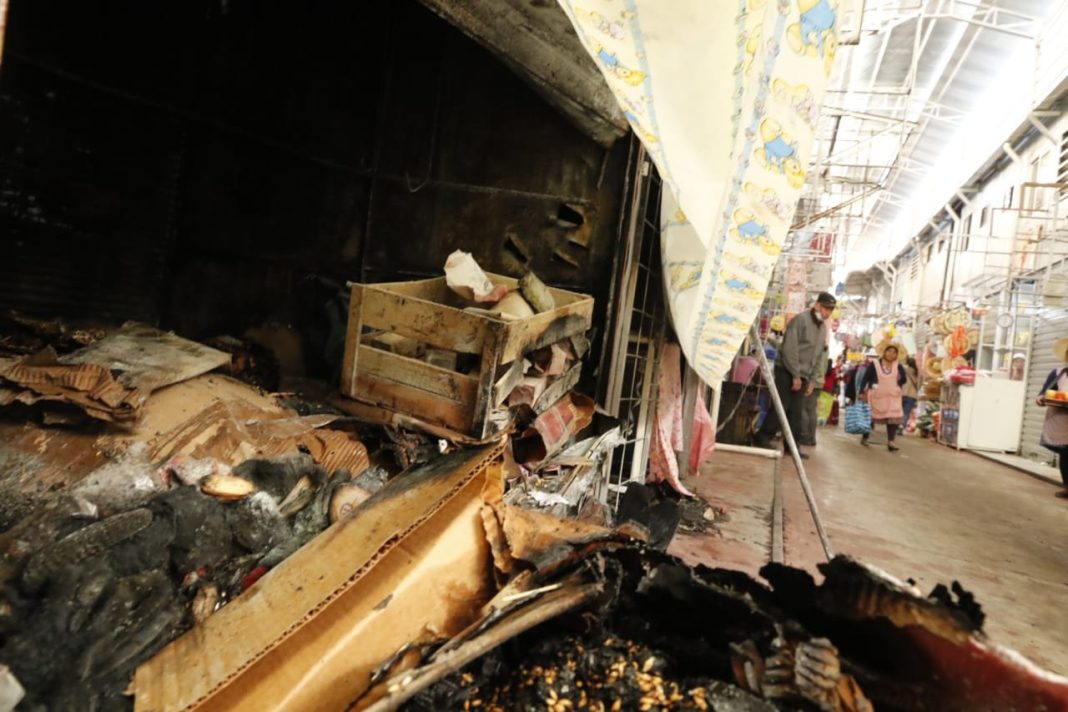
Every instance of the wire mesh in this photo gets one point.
(647, 323)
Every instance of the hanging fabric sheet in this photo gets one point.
(725, 97)
(668, 435)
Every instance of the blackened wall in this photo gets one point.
(208, 166)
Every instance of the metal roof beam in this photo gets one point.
(991, 17)
(848, 150)
(879, 58)
(865, 115)
(1042, 129)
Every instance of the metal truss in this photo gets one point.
(870, 130)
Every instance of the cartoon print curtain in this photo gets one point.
(725, 96)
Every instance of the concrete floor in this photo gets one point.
(926, 513)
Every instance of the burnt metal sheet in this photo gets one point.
(536, 40)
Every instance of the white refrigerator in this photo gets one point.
(988, 414)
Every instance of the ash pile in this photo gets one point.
(627, 628)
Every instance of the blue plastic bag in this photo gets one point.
(858, 418)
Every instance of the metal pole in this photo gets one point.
(788, 436)
(746, 450)
(717, 394)
(778, 554)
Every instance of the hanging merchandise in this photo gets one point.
(726, 103)
(778, 323)
(820, 275)
(956, 318)
(957, 342)
(908, 340)
(950, 363)
(933, 367)
(667, 429)
(795, 302)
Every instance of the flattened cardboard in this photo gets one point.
(411, 563)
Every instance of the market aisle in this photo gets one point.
(933, 514)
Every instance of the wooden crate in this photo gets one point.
(428, 311)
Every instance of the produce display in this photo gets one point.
(1056, 398)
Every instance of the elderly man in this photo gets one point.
(799, 368)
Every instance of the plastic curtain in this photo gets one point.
(725, 97)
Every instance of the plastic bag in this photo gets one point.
(824, 406)
(858, 419)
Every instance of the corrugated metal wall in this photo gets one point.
(1052, 325)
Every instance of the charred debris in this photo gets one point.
(149, 480)
(149, 485)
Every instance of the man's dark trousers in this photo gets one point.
(792, 403)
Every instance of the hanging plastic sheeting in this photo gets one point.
(724, 96)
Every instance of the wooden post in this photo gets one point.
(352, 341)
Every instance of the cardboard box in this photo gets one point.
(411, 564)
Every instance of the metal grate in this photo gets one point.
(643, 322)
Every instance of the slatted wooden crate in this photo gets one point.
(429, 312)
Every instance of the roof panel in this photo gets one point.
(953, 75)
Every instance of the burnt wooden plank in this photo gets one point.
(547, 327)
(434, 324)
(487, 378)
(352, 340)
(406, 399)
(418, 374)
(558, 388)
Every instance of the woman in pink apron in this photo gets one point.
(1055, 427)
(881, 388)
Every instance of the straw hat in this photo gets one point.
(1060, 349)
(884, 345)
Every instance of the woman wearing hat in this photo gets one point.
(881, 388)
(1055, 427)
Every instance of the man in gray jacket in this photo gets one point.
(799, 368)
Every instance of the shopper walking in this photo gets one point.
(799, 368)
(830, 386)
(881, 386)
(1055, 428)
(909, 392)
